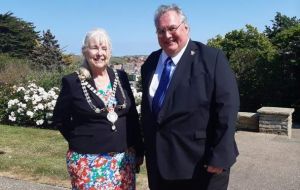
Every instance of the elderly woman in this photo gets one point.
(96, 114)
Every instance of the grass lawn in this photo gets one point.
(38, 155)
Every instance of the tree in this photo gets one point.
(288, 43)
(280, 23)
(285, 35)
(17, 37)
(251, 55)
(244, 39)
(48, 54)
(267, 65)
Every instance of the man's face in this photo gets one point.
(172, 34)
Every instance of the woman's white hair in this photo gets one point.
(100, 35)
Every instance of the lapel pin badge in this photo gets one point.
(192, 52)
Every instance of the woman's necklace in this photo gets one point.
(112, 116)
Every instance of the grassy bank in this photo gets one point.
(38, 155)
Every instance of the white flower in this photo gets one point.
(27, 98)
(23, 105)
(36, 98)
(138, 108)
(20, 110)
(138, 95)
(51, 92)
(41, 90)
(45, 96)
(40, 106)
(12, 118)
(49, 115)
(50, 106)
(12, 102)
(133, 90)
(20, 89)
(29, 113)
(53, 102)
(32, 85)
(39, 122)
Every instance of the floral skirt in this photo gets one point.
(107, 171)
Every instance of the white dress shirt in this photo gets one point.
(159, 69)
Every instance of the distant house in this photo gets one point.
(132, 66)
(120, 67)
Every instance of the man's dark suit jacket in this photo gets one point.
(196, 124)
(89, 132)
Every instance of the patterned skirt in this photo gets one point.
(106, 171)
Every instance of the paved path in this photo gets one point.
(13, 184)
(266, 162)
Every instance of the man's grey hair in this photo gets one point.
(165, 8)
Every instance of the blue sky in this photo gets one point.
(130, 23)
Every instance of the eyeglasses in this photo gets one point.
(171, 30)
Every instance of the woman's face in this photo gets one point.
(97, 54)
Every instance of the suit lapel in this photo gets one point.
(183, 69)
(152, 68)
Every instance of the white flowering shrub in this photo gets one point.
(5, 94)
(138, 98)
(31, 105)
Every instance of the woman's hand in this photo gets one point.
(138, 162)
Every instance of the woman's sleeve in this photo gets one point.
(62, 111)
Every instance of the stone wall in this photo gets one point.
(247, 121)
(276, 120)
(268, 120)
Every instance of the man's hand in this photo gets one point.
(214, 170)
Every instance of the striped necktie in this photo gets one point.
(162, 87)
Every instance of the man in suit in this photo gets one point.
(189, 108)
